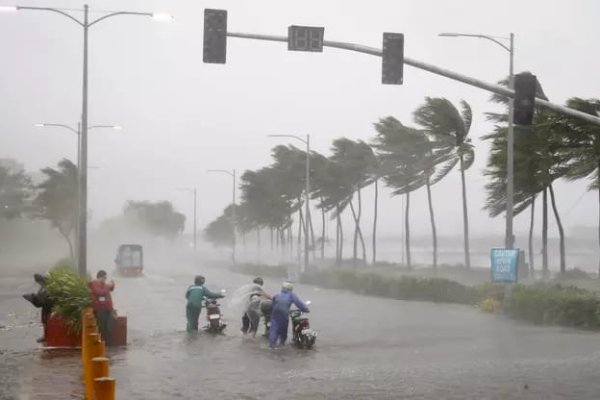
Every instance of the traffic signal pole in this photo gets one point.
(501, 90)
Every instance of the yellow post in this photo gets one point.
(95, 349)
(104, 388)
(99, 370)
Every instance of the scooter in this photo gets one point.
(216, 321)
(303, 336)
(265, 309)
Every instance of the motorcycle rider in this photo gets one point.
(282, 303)
(195, 294)
(251, 317)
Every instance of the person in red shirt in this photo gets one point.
(102, 304)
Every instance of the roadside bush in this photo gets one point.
(573, 274)
(69, 293)
(554, 305)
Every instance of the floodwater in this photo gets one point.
(367, 348)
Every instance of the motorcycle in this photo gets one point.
(303, 336)
(265, 309)
(216, 321)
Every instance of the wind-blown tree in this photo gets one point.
(449, 129)
(540, 159)
(158, 219)
(220, 231)
(357, 160)
(264, 204)
(333, 192)
(406, 155)
(15, 189)
(583, 146)
(56, 200)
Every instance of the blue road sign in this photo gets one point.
(505, 265)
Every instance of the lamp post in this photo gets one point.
(233, 209)
(509, 238)
(307, 192)
(78, 133)
(194, 192)
(86, 24)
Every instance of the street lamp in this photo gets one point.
(86, 24)
(194, 192)
(78, 133)
(509, 239)
(233, 215)
(307, 192)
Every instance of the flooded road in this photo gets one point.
(367, 348)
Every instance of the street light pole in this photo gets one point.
(78, 133)
(85, 24)
(307, 194)
(231, 173)
(509, 238)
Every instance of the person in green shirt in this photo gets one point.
(195, 295)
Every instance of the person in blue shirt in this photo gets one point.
(282, 302)
(195, 295)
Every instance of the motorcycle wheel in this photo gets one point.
(307, 343)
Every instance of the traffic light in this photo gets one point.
(392, 60)
(215, 36)
(525, 85)
(305, 38)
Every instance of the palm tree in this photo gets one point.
(540, 159)
(449, 129)
(356, 158)
(405, 154)
(57, 199)
(583, 146)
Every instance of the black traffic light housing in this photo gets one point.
(392, 59)
(525, 85)
(215, 36)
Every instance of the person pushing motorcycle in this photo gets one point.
(251, 317)
(195, 294)
(282, 302)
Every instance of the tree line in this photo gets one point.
(407, 158)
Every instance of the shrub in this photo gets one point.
(573, 274)
(69, 293)
(554, 305)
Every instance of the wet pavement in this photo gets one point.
(367, 348)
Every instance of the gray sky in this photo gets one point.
(181, 117)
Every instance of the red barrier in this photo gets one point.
(59, 335)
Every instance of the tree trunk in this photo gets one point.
(312, 234)
(465, 216)
(271, 239)
(375, 222)
(340, 236)
(531, 224)
(407, 228)
(360, 235)
(337, 241)
(561, 232)
(355, 247)
(301, 227)
(357, 235)
(545, 271)
(432, 219)
(323, 221)
(68, 239)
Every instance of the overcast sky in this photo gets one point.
(181, 117)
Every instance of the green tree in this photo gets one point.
(220, 231)
(15, 189)
(407, 157)
(356, 159)
(449, 129)
(56, 199)
(540, 159)
(157, 218)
